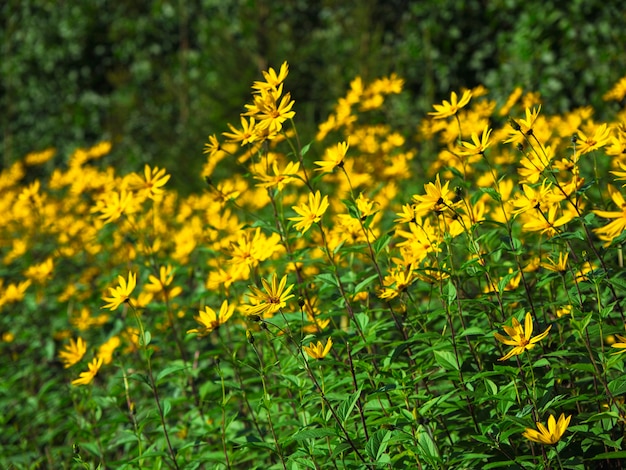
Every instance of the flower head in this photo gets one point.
(311, 213)
(436, 199)
(450, 108)
(120, 294)
(209, 320)
(552, 434)
(333, 157)
(272, 298)
(73, 352)
(520, 337)
(318, 351)
(85, 378)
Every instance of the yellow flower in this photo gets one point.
(161, 284)
(541, 198)
(40, 272)
(273, 298)
(437, 198)
(272, 79)
(618, 92)
(564, 310)
(105, 351)
(450, 108)
(279, 178)
(209, 320)
(520, 337)
(559, 266)
(115, 204)
(524, 126)
(318, 351)
(613, 229)
(552, 434)
(621, 344)
(478, 145)
(73, 352)
(601, 136)
(333, 157)
(85, 378)
(246, 135)
(121, 293)
(13, 292)
(151, 185)
(311, 213)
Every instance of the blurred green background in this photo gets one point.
(156, 77)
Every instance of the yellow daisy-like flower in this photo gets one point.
(588, 143)
(209, 320)
(271, 299)
(151, 185)
(520, 337)
(120, 294)
(105, 351)
(272, 79)
(85, 378)
(552, 434)
(616, 227)
(559, 266)
(436, 199)
(73, 352)
(311, 213)
(450, 108)
(245, 135)
(318, 351)
(478, 144)
(333, 157)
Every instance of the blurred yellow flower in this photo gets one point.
(450, 108)
(616, 227)
(520, 337)
(318, 351)
(105, 351)
(478, 145)
(552, 434)
(209, 320)
(85, 378)
(620, 344)
(73, 352)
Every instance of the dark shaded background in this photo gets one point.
(156, 77)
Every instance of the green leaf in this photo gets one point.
(382, 242)
(450, 291)
(610, 455)
(314, 434)
(362, 320)
(167, 406)
(147, 337)
(446, 360)
(347, 406)
(328, 279)
(305, 149)
(361, 285)
(427, 445)
(618, 386)
(377, 444)
(168, 371)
